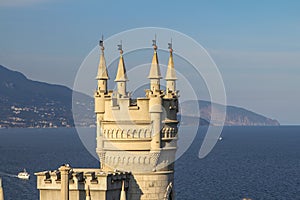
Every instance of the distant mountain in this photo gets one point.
(192, 121)
(28, 103)
(235, 116)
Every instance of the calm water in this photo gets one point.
(253, 162)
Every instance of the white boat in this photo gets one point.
(24, 175)
(220, 138)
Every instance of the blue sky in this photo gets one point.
(256, 44)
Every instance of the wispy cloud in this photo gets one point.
(14, 3)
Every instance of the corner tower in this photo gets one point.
(121, 77)
(102, 75)
(171, 74)
(154, 74)
(102, 78)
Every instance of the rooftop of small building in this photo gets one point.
(86, 171)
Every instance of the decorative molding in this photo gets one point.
(102, 158)
(154, 158)
(127, 133)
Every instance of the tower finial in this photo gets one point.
(121, 73)
(171, 73)
(154, 74)
(170, 46)
(101, 44)
(120, 47)
(121, 76)
(154, 43)
(102, 69)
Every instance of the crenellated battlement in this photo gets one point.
(82, 182)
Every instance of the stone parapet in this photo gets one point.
(100, 184)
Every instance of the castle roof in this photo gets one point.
(121, 73)
(102, 69)
(155, 70)
(171, 73)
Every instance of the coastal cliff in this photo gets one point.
(235, 116)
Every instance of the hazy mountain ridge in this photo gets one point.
(28, 103)
(235, 116)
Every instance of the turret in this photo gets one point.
(155, 103)
(121, 77)
(154, 74)
(102, 75)
(171, 74)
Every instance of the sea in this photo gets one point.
(260, 163)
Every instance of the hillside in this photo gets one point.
(28, 103)
(235, 116)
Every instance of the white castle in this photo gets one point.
(136, 142)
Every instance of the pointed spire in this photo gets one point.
(123, 193)
(88, 194)
(171, 74)
(102, 70)
(121, 74)
(154, 70)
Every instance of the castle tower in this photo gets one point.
(139, 135)
(155, 102)
(102, 75)
(171, 74)
(154, 74)
(100, 93)
(102, 78)
(121, 77)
